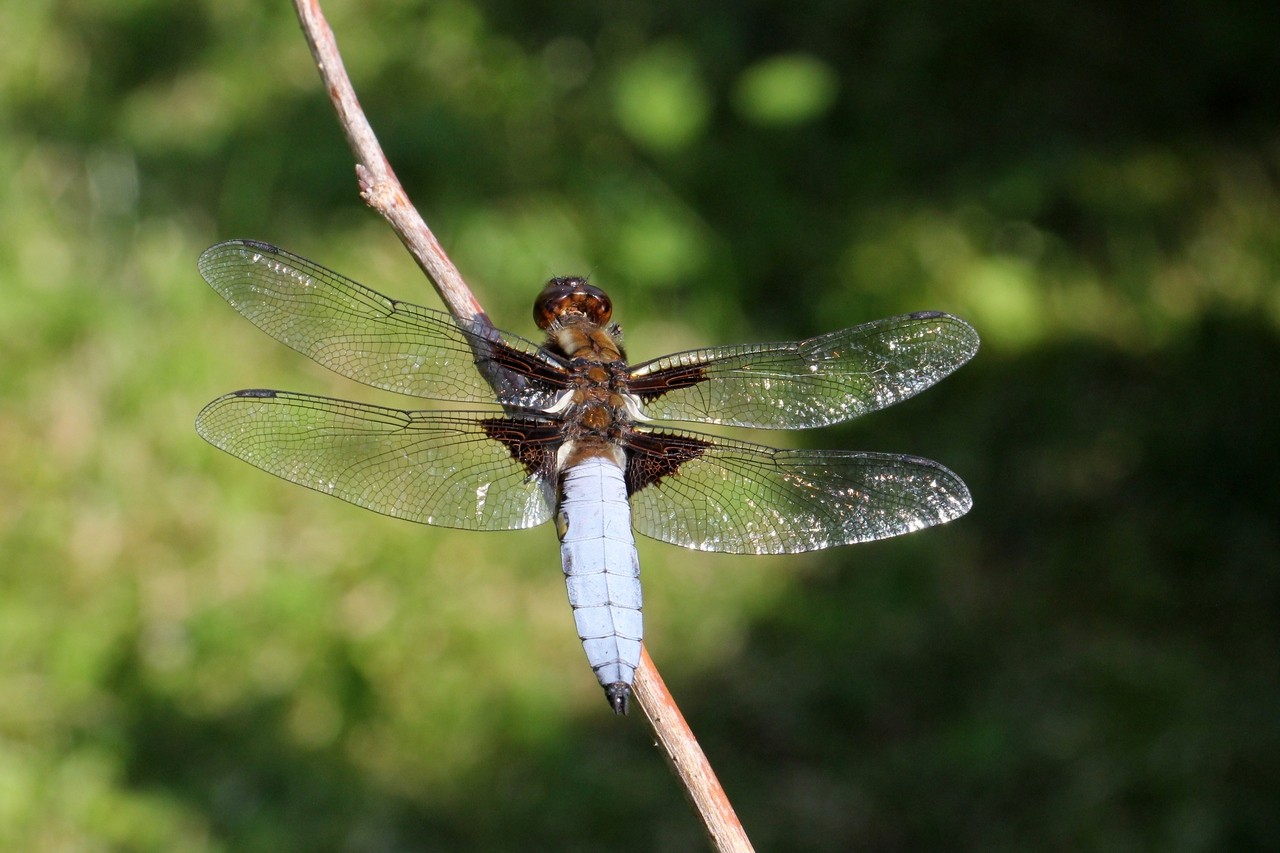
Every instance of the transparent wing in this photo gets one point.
(800, 384)
(712, 494)
(371, 338)
(452, 469)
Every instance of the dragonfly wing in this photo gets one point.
(713, 494)
(800, 384)
(453, 469)
(371, 338)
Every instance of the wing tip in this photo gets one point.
(968, 334)
(258, 245)
(209, 256)
(245, 243)
(202, 418)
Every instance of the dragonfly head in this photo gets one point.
(566, 299)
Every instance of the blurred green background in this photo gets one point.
(196, 656)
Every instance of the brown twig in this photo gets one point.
(379, 186)
(382, 191)
(688, 760)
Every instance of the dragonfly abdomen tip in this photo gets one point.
(619, 695)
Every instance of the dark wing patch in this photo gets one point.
(532, 443)
(651, 386)
(654, 455)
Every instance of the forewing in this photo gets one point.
(800, 384)
(371, 338)
(712, 494)
(452, 469)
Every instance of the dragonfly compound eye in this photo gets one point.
(563, 298)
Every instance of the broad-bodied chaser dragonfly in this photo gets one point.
(573, 441)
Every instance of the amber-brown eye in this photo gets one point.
(571, 296)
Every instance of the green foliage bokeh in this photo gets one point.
(196, 656)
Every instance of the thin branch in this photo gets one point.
(688, 760)
(382, 191)
(379, 186)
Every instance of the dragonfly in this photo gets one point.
(572, 432)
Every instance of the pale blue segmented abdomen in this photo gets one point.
(602, 571)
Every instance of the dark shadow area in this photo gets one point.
(1088, 660)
